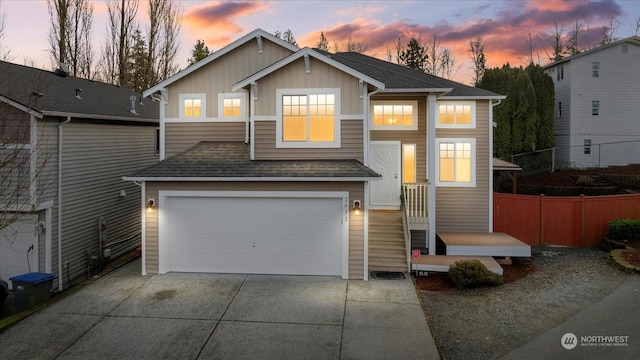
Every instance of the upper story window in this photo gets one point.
(560, 73)
(308, 118)
(193, 105)
(595, 107)
(456, 114)
(394, 115)
(595, 69)
(560, 109)
(231, 106)
(456, 162)
(587, 146)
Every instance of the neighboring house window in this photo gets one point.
(625, 48)
(595, 107)
(394, 114)
(231, 106)
(456, 114)
(456, 164)
(595, 69)
(560, 73)
(409, 163)
(193, 105)
(560, 109)
(587, 146)
(308, 118)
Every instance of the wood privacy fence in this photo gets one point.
(562, 221)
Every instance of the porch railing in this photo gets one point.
(415, 200)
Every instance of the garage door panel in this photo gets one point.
(254, 235)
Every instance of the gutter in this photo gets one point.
(60, 262)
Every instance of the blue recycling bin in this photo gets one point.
(31, 289)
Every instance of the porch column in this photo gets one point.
(431, 172)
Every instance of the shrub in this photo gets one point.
(583, 180)
(624, 229)
(472, 273)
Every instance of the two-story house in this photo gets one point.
(597, 106)
(65, 143)
(280, 160)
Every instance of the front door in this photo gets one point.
(385, 160)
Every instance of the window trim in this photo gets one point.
(471, 125)
(595, 69)
(587, 147)
(413, 148)
(412, 103)
(336, 143)
(470, 184)
(595, 107)
(203, 105)
(243, 106)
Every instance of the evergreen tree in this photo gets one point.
(545, 97)
(414, 56)
(199, 52)
(478, 58)
(287, 36)
(323, 44)
(138, 64)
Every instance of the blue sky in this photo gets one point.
(503, 25)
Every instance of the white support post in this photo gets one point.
(431, 171)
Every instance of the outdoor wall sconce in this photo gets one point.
(151, 203)
(357, 205)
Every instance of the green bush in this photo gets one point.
(472, 273)
(624, 229)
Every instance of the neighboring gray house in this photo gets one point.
(597, 106)
(76, 138)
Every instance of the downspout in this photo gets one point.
(60, 262)
(491, 126)
(365, 155)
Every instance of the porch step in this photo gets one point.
(441, 263)
(386, 242)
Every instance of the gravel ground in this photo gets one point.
(488, 323)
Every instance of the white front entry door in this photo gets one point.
(385, 160)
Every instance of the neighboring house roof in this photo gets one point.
(227, 161)
(256, 34)
(45, 92)
(635, 40)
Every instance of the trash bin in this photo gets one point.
(31, 289)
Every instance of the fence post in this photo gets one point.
(542, 219)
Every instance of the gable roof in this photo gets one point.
(258, 33)
(43, 92)
(230, 161)
(634, 40)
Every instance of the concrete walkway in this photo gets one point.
(214, 316)
(609, 329)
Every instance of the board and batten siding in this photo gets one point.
(467, 208)
(351, 144)
(417, 137)
(356, 221)
(179, 136)
(219, 75)
(95, 158)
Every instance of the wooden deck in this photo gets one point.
(441, 263)
(483, 244)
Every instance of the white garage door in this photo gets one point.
(250, 234)
(15, 242)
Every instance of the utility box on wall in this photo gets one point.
(31, 289)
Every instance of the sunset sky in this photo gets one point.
(504, 25)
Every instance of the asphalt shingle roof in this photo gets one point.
(395, 76)
(45, 91)
(210, 159)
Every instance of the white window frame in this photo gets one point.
(203, 105)
(336, 143)
(595, 107)
(471, 141)
(413, 148)
(243, 106)
(471, 125)
(412, 103)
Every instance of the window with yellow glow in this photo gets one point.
(456, 164)
(192, 105)
(308, 118)
(454, 114)
(231, 108)
(409, 163)
(394, 114)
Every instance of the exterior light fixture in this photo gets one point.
(357, 205)
(151, 203)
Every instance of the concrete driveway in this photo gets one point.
(217, 316)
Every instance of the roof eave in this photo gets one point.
(483, 97)
(441, 91)
(99, 117)
(253, 178)
(21, 107)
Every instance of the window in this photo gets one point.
(560, 73)
(231, 106)
(595, 107)
(625, 48)
(456, 163)
(595, 69)
(394, 115)
(587, 146)
(193, 105)
(157, 147)
(456, 115)
(560, 109)
(308, 118)
(409, 163)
